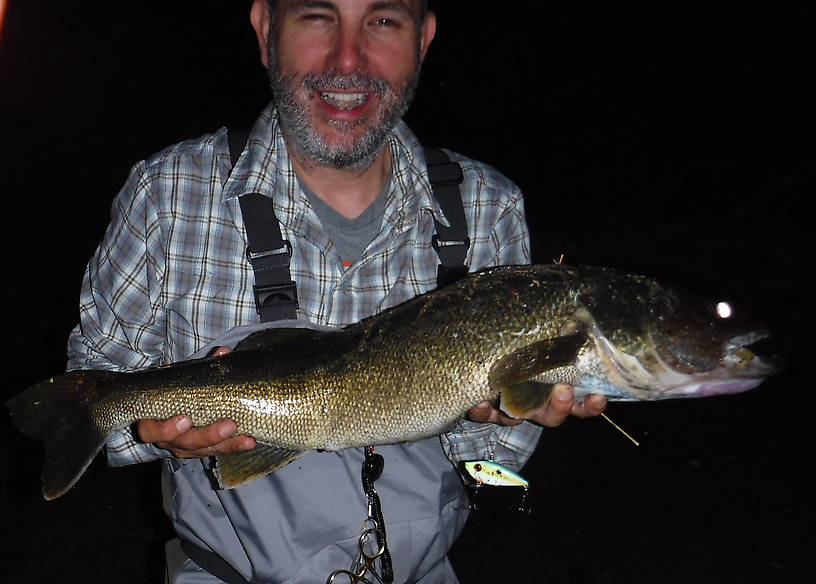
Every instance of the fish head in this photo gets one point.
(658, 342)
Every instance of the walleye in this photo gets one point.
(507, 333)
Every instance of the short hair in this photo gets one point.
(271, 5)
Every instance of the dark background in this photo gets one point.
(672, 141)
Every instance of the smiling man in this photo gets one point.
(350, 188)
(342, 74)
(342, 79)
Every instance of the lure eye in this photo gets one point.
(477, 467)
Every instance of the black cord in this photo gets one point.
(372, 469)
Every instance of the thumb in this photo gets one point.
(219, 351)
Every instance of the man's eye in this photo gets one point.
(385, 21)
(315, 17)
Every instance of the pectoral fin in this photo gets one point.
(236, 468)
(519, 376)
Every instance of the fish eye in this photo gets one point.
(723, 310)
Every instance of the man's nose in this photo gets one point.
(349, 54)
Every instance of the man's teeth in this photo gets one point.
(344, 101)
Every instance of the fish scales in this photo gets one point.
(413, 371)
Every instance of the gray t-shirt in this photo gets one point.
(350, 236)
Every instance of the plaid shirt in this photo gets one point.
(171, 274)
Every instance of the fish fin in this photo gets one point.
(284, 338)
(55, 411)
(519, 399)
(236, 468)
(514, 376)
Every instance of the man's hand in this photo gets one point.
(558, 408)
(179, 436)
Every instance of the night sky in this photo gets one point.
(673, 141)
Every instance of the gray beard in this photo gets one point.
(305, 139)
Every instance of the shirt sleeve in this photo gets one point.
(120, 318)
(501, 238)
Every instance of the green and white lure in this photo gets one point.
(488, 472)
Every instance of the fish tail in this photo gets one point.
(56, 412)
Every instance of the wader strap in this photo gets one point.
(237, 140)
(213, 563)
(268, 253)
(451, 243)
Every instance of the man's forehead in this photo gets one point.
(413, 6)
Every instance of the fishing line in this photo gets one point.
(619, 429)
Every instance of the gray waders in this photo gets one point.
(290, 525)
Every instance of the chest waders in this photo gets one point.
(276, 299)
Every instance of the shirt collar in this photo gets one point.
(264, 167)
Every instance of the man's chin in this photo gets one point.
(351, 160)
(347, 151)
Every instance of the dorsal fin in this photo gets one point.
(272, 337)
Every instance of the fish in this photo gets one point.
(504, 335)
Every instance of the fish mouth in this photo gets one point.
(712, 384)
(758, 353)
(749, 359)
(745, 363)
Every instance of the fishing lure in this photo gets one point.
(492, 473)
(488, 472)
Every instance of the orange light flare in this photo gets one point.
(2, 14)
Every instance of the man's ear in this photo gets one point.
(426, 34)
(259, 17)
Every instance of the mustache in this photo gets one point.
(316, 81)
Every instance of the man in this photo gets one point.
(349, 185)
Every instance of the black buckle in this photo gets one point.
(449, 274)
(437, 243)
(285, 250)
(272, 295)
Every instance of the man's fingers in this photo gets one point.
(185, 441)
(205, 437)
(233, 444)
(238, 443)
(558, 408)
(560, 405)
(594, 405)
(480, 412)
(486, 412)
(163, 430)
